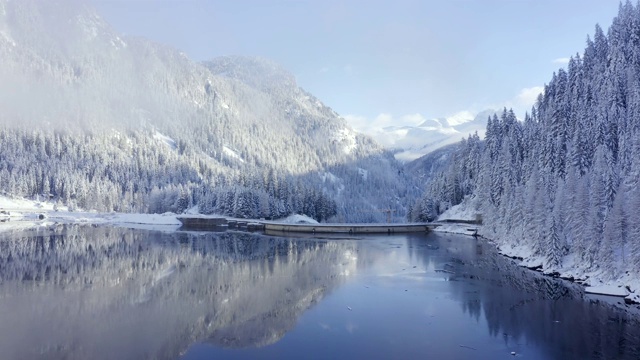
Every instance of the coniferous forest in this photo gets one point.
(562, 184)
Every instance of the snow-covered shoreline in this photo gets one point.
(593, 282)
(626, 286)
(454, 228)
(18, 214)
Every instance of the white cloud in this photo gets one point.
(375, 125)
(378, 126)
(521, 102)
(528, 96)
(404, 137)
(358, 123)
(562, 61)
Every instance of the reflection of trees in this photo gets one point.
(87, 292)
(518, 303)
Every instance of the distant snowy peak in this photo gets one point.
(412, 142)
(431, 123)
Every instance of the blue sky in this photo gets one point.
(383, 62)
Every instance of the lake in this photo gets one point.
(97, 292)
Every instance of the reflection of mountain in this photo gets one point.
(82, 292)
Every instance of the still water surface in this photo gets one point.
(81, 292)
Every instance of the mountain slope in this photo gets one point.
(102, 121)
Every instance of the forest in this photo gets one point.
(562, 183)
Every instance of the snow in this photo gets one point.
(9, 204)
(364, 173)
(462, 229)
(193, 210)
(348, 139)
(232, 154)
(328, 176)
(525, 253)
(463, 211)
(89, 26)
(611, 290)
(23, 214)
(117, 43)
(165, 139)
(165, 273)
(8, 38)
(297, 219)
(143, 219)
(26, 213)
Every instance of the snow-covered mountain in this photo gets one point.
(95, 119)
(411, 142)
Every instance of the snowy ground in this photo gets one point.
(462, 229)
(594, 281)
(463, 212)
(18, 214)
(297, 219)
(21, 214)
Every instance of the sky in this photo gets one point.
(380, 63)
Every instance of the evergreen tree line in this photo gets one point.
(133, 172)
(563, 182)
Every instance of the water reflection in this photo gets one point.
(527, 309)
(78, 292)
(520, 305)
(83, 292)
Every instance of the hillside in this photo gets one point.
(560, 188)
(97, 120)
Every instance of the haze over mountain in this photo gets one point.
(97, 120)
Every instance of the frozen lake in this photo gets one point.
(87, 292)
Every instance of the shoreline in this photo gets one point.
(589, 281)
